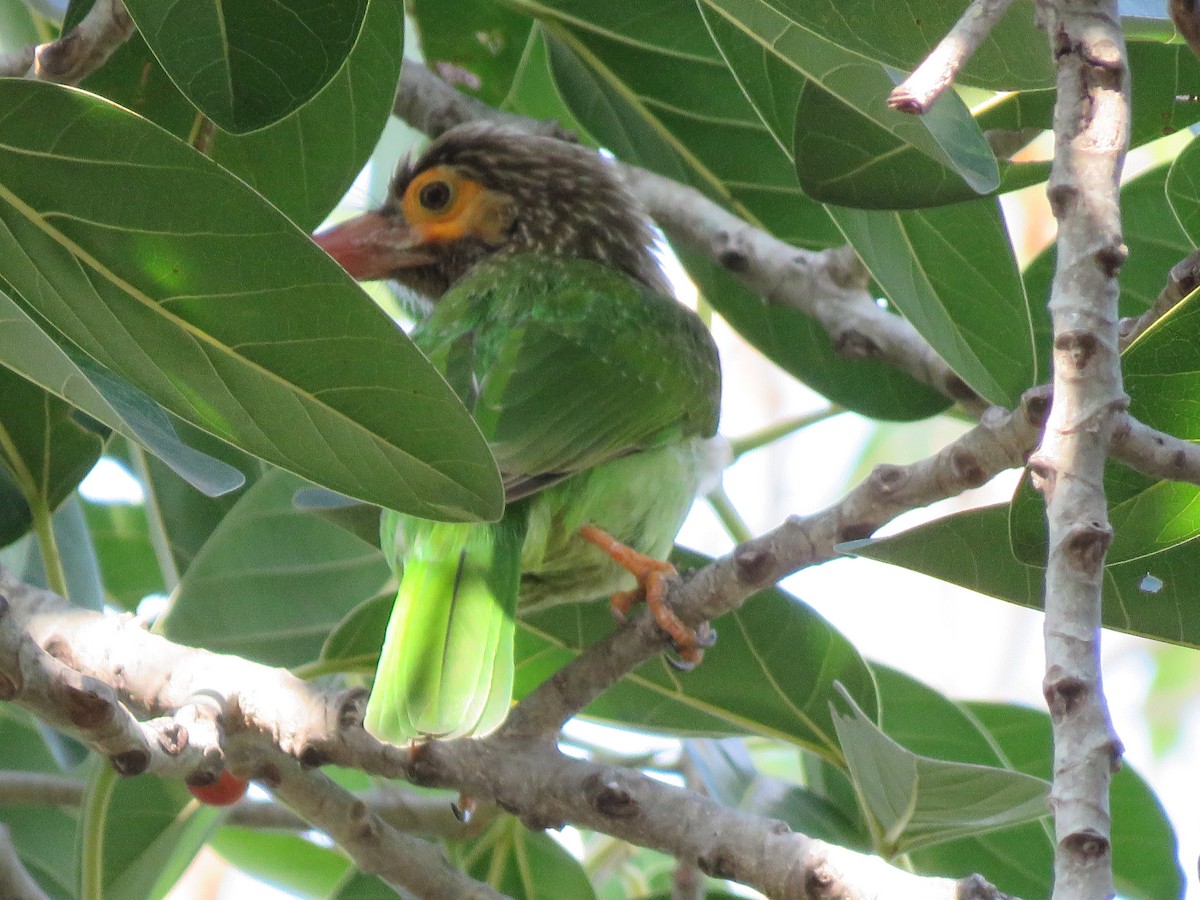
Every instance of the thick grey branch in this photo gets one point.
(1091, 129)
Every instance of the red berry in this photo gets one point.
(226, 790)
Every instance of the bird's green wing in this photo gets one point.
(446, 668)
(567, 364)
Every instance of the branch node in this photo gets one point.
(85, 703)
(886, 478)
(313, 756)
(1086, 544)
(1076, 346)
(129, 763)
(717, 864)
(967, 466)
(1086, 842)
(1063, 198)
(960, 390)
(1111, 258)
(1064, 693)
(753, 564)
(853, 344)
(609, 798)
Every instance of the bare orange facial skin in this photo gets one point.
(442, 204)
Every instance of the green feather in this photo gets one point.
(595, 394)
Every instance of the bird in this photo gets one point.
(530, 267)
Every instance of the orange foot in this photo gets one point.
(651, 575)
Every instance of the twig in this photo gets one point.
(78, 52)
(1183, 279)
(917, 93)
(1091, 127)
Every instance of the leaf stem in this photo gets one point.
(730, 518)
(92, 822)
(43, 528)
(754, 440)
(155, 525)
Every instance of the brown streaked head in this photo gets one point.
(483, 189)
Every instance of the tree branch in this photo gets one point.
(77, 53)
(917, 93)
(1091, 127)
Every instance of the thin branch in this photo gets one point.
(917, 93)
(1091, 128)
(1183, 279)
(78, 52)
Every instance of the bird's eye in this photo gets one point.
(436, 196)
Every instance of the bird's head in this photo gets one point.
(482, 190)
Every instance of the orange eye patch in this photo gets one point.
(444, 205)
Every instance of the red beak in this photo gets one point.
(373, 246)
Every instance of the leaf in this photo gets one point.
(681, 114)
(75, 549)
(774, 641)
(525, 865)
(306, 161)
(355, 642)
(360, 519)
(971, 549)
(137, 285)
(250, 63)
(475, 45)
(128, 566)
(85, 384)
(153, 831)
(848, 146)
(729, 776)
(1012, 58)
(288, 861)
(1183, 191)
(1144, 845)
(918, 801)
(271, 581)
(43, 836)
(45, 448)
(939, 282)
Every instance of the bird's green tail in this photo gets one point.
(446, 669)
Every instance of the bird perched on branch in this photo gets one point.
(549, 316)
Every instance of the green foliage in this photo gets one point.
(160, 304)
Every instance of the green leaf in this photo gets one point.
(46, 449)
(965, 297)
(918, 801)
(1183, 191)
(849, 148)
(306, 161)
(287, 861)
(1013, 57)
(74, 547)
(15, 517)
(972, 549)
(250, 63)
(355, 642)
(140, 285)
(128, 566)
(800, 345)
(729, 776)
(271, 581)
(475, 45)
(43, 836)
(1145, 850)
(525, 865)
(680, 113)
(153, 830)
(85, 384)
(360, 519)
(773, 641)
